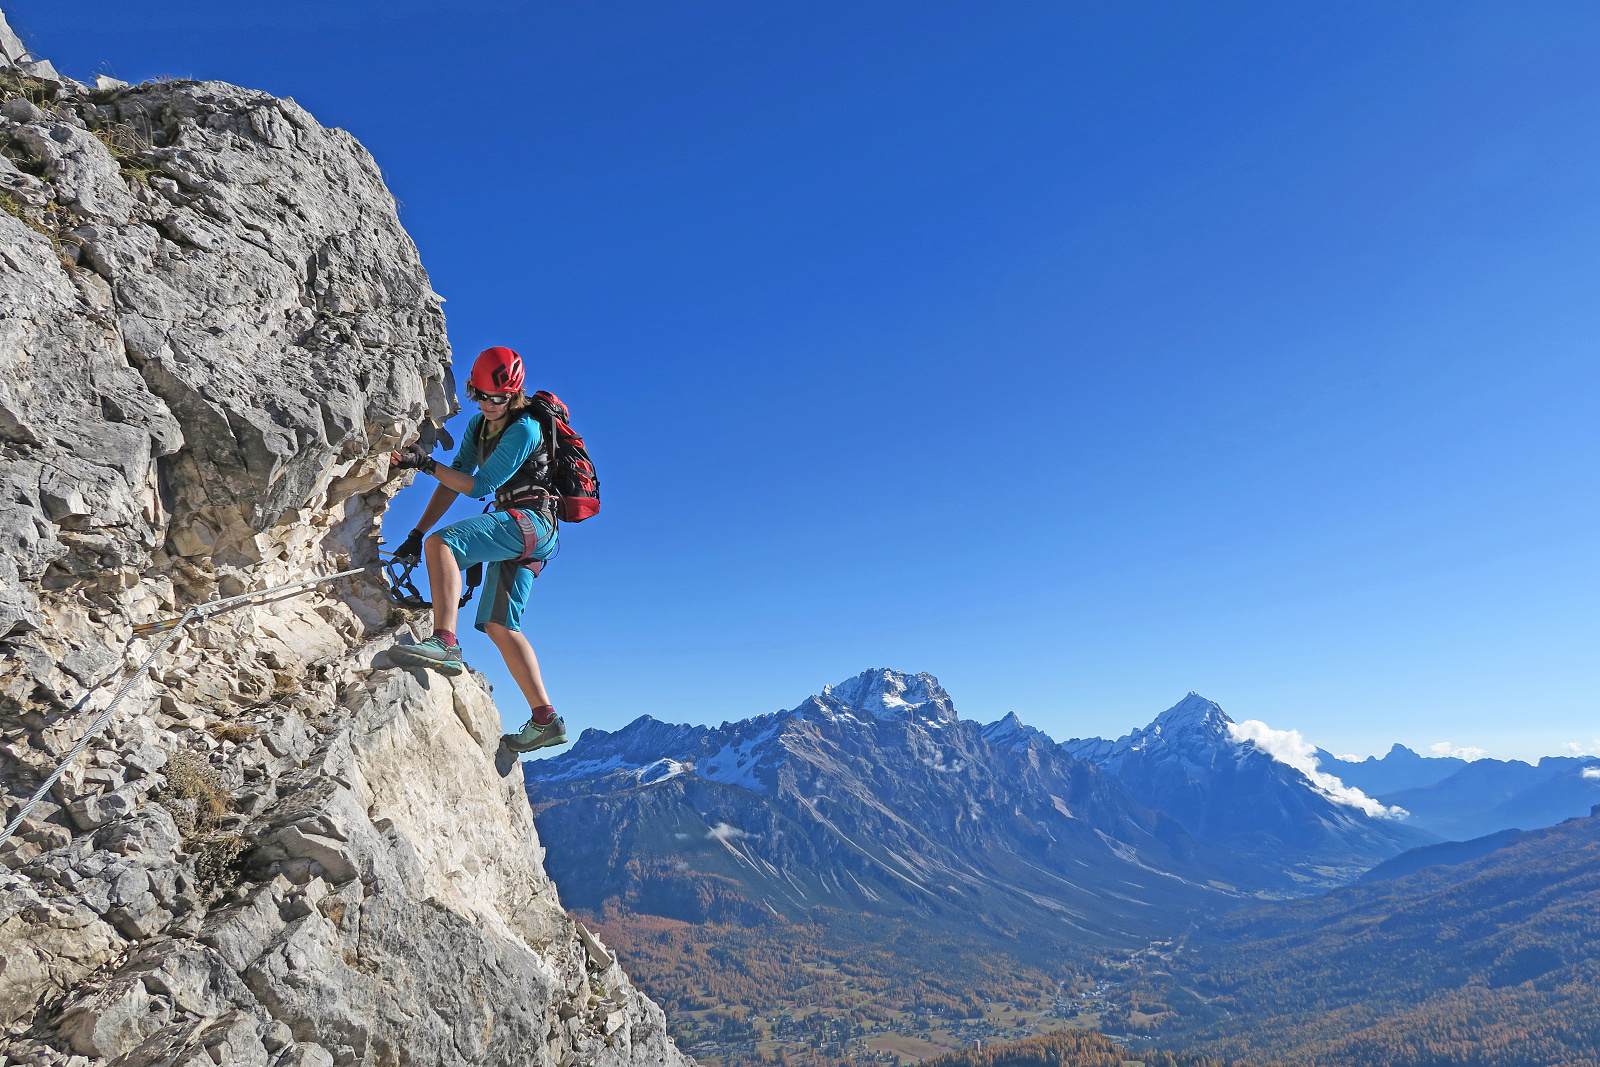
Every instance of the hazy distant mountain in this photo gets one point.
(1400, 768)
(1224, 785)
(1488, 795)
(1491, 961)
(875, 797)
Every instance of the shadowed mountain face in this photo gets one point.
(873, 797)
(1195, 764)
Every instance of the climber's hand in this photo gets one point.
(410, 550)
(414, 458)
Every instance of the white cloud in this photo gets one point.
(1348, 757)
(1591, 772)
(1591, 749)
(1287, 746)
(725, 833)
(1468, 752)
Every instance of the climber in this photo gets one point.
(503, 446)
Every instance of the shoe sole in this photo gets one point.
(448, 668)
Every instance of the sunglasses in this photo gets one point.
(479, 397)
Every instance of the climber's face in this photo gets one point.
(493, 405)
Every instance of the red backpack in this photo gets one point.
(571, 472)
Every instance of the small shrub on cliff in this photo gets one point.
(214, 856)
(195, 796)
(194, 793)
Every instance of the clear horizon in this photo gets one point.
(1079, 356)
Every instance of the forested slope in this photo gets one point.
(1492, 962)
(1068, 1048)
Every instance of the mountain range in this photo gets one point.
(1488, 795)
(871, 850)
(875, 797)
(1459, 800)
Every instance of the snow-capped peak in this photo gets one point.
(886, 694)
(1195, 729)
(1194, 714)
(1193, 722)
(1011, 732)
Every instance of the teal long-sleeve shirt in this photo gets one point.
(503, 454)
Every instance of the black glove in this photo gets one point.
(416, 458)
(410, 549)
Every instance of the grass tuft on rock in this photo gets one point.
(130, 149)
(236, 732)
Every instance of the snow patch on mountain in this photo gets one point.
(1192, 725)
(662, 770)
(1288, 747)
(561, 773)
(737, 763)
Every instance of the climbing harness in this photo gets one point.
(530, 541)
(171, 628)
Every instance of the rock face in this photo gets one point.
(874, 797)
(283, 850)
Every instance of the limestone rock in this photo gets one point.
(283, 850)
(15, 54)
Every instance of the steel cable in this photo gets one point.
(172, 628)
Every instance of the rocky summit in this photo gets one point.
(282, 850)
(874, 796)
(1256, 791)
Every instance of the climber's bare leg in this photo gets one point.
(520, 660)
(444, 583)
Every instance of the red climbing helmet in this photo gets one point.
(496, 370)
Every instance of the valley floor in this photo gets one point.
(817, 995)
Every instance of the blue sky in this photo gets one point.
(1079, 354)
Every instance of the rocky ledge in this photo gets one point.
(283, 850)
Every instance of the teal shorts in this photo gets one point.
(492, 538)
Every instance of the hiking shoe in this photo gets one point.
(535, 736)
(433, 654)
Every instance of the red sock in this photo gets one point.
(544, 715)
(447, 637)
